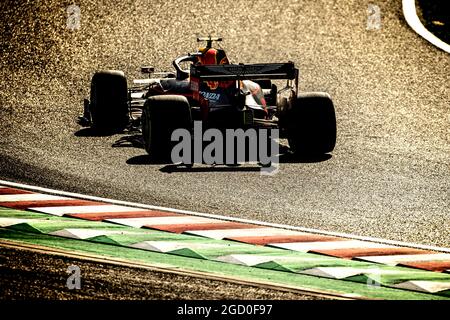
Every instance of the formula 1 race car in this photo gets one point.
(216, 92)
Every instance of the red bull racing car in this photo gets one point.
(216, 92)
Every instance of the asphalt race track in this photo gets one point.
(388, 177)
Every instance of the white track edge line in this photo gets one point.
(410, 13)
(240, 220)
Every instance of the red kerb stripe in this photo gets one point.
(48, 203)
(263, 240)
(179, 228)
(4, 191)
(360, 252)
(121, 215)
(437, 266)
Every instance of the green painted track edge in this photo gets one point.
(282, 274)
(161, 260)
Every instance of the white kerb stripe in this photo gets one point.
(254, 259)
(177, 220)
(59, 211)
(333, 273)
(396, 259)
(6, 222)
(83, 233)
(345, 272)
(168, 246)
(329, 245)
(252, 232)
(29, 197)
(425, 286)
(246, 260)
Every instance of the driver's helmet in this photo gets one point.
(212, 56)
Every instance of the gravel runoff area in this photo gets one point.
(32, 275)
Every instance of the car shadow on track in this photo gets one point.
(92, 132)
(131, 141)
(284, 158)
(170, 167)
(134, 139)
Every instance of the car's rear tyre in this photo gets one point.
(160, 117)
(310, 122)
(109, 101)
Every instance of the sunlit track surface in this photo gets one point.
(388, 177)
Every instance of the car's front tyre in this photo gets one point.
(109, 101)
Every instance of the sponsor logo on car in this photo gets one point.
(210, 95)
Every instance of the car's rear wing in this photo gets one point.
(236, 72)
(227, 72)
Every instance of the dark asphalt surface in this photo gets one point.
(29, 275)
(388, 177)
